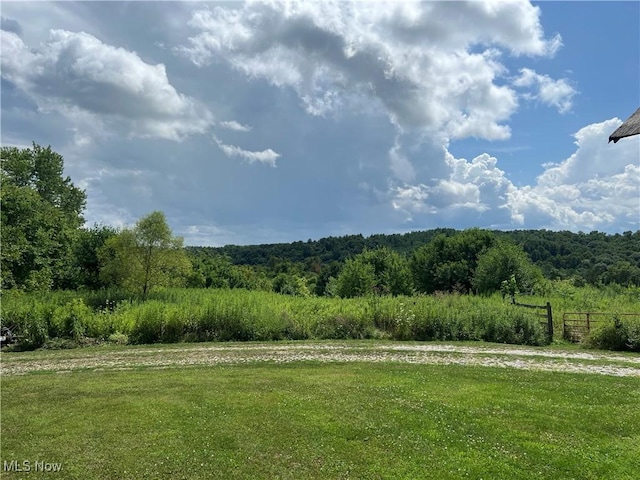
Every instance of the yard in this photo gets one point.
(351, 409)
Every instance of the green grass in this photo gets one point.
(311, 420)
(63, 318)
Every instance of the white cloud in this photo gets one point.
(597, 187)
(556, 93)
(413, 58)
(268, 156)
(400, 164)
(366, 99)
(233, 125)
(76, 72)
(469, 189)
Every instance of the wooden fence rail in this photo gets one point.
(548, 315)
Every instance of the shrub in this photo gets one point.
(621, 334)
(70, 320)
(342, 328)
(118, 338)
(33, 331)
(148, 323)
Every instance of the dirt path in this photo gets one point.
(528, 358)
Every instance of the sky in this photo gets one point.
(267, 122)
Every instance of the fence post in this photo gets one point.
(549, 322)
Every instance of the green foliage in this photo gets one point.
(85, 271)
(622, 273)
(70, 320)
(187, 315)
(623, 333)
(380, 271)
(391, 270)
(176, 315)
(290, 285)
(448, 263)
(40, 216)
(118, 338)
(145, 257)
(325, 283)
(594, 258)
(356, 279)
(502, 263)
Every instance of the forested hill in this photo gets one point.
(559, 254)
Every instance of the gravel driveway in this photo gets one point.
(491, 355)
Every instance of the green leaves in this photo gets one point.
(41, 214)
(381, 271)
(505, 262)
(145, 257)
(356, 279)
(448, 263)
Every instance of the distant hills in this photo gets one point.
(560, 254)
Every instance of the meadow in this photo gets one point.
(306, 420)
(159, 410)
(69, 318)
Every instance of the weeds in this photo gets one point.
(189, 315)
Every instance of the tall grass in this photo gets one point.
(189, 315)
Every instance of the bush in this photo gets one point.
(148, 323)
(179, 315)
(70, 320)
(621, 334)
(343, 328)
(118, 338)
(33, 331)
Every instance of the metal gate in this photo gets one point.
(577, 325)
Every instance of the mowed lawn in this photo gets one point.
(322, 420)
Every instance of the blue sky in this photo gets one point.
(265, 122)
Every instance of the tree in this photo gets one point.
(391, 271)
(356, 279)
(328, 274)
(448, 263)
(145, 257)
(289, 284)
(41, 215)
(85, 268)
(623, 273)
(505, 267)
(381, 271)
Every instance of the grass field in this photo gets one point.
(65, 318)
(313, 419)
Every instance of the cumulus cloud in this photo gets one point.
(430, 66)
(556, 93)
(267, 157)
(400, 164)
(470, 188)
(597, 187)
(73, 72)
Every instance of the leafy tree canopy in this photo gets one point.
(381, 271)
(448, 263)
(145, 257)
(505, 262)
(41, 215)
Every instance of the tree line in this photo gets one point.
(45, 246)
(594, 258)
